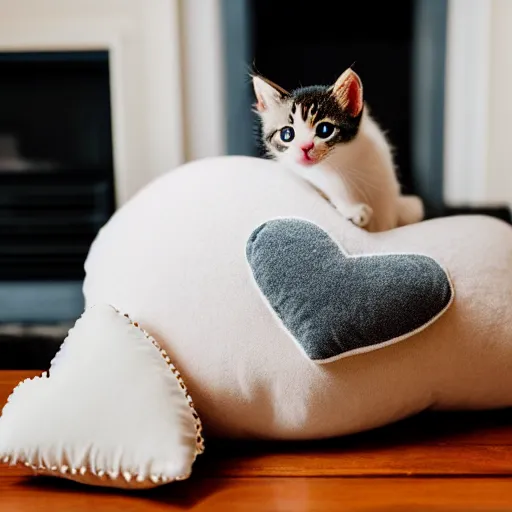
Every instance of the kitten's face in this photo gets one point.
(305, 126)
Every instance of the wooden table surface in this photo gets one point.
(439, 462)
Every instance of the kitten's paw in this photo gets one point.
(360, 215)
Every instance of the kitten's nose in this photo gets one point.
(307, 147)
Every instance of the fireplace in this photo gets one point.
(90, 111)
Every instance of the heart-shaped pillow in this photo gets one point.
(112, 411)
(335, 305)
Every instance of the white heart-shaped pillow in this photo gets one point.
(113, 410)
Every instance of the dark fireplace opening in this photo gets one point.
(56, 162)
(56, 191)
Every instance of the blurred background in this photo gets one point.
(99, 97)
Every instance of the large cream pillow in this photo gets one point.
(174, 257)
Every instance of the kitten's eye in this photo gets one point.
(287, 134)
(325, 130)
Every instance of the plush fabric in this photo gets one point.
(174, 258)
(113, 410)
(335, 305)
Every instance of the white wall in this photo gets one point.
(203, 78)
(499, 158)
(478, 107)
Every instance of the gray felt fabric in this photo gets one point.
(334, 304)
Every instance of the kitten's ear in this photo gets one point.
(267, 93)
(348, 91)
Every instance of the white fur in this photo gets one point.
(358, 177)
(362, 173)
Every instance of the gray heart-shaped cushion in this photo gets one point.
(335, 305)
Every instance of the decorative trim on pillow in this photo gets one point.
(44, 460)
(181, 382)
(337, 305)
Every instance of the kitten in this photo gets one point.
(327, 136)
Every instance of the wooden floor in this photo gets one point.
(439, 462)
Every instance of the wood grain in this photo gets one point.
(267, 494)
(391, 461)
(440, 462)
